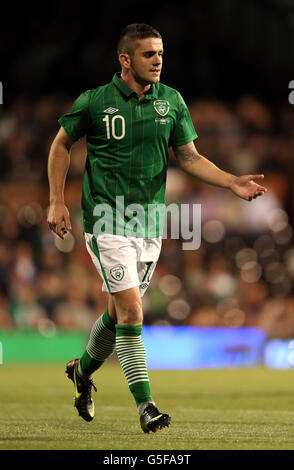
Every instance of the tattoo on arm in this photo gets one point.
(186, 155)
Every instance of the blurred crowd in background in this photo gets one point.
(243, 272)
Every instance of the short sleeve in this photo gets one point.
(184, 131)
(76, 123)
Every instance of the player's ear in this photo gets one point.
(125, 60)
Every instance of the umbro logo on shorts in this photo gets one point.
(117, 273)
(110, 110)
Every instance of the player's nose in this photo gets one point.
(157, 60)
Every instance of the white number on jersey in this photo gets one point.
(114, 133)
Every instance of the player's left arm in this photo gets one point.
(246, 187)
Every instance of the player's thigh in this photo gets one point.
(148, 261)
(115, 259)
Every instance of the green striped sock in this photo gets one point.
(132, 357)
(100, 346)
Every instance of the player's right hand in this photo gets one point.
(58, 219)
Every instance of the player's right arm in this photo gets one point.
(58, 163)
(74, 125)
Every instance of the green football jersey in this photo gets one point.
(128, 144)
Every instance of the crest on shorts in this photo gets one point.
(117, 273)
(161, 107)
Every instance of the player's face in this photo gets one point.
(146, 60)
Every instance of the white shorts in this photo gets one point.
(124, 262)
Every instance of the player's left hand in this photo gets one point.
(247, 186)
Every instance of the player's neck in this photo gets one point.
(132, 83)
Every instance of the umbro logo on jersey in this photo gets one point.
(110, 110)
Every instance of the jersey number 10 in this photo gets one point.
(114, 131)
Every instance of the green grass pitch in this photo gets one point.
(231, 409)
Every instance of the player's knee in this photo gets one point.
(111, 309)
(131, 314)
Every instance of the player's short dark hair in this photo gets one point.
(131, 33)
